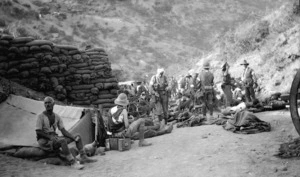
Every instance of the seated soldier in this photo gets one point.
(48, 140)
(144, 104)
(183, 102)
(119, 125)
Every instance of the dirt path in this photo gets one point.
(199, 151)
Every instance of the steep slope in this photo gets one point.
(271, 45)
(139, 35)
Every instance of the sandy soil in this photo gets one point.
(198, 151)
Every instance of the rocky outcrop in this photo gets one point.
(62, 71)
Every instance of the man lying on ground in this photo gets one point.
(48, 139)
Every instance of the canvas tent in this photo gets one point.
(18, 120)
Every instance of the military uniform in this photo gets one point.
(159, 84)
(207, 82)
(226, 85)
(248, 80)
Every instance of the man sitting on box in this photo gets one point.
(119, 125)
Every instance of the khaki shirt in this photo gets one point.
(43, 124)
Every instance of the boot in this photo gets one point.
(73, 162)
(83, 158)
(142, 141)
(76, 165)
(169, 128)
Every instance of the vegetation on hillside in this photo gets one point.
(140, 36)
(270, 44)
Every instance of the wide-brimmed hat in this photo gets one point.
(245, 62)
(122, 100)
(206, 65)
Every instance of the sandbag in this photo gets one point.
(39, 43)
(84, 71)
(7, 37)
(66, 47)
(107, 105)
(4, 42)
(28, 60)
(55, 60)
(25, 66)
(87, 102)
(14, 50)
(30, 152)
(77, 57)
(106, 96)
(114, 91)
(96, 50)
(78, 65)
(46, 70)
(93, 98)
(12, 71)
(100, 86)
(34, 48)
(110, 85)
(73, 52)
(56, 50)
(95, 91)
(54, 81)
(21, 40)
(46, 47)
(54, 68)
(82, 87)
(80, 91)
(102, 92)
(102, 101)
(100, 67)
(102, 80)
(23, 49)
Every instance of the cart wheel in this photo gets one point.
(294, 96)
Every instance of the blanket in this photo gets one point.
(245, 122)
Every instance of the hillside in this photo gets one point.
(138, 35)
(271, 45)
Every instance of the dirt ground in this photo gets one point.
(198, 151)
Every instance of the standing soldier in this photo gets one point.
(226, 85)
(173, 85)
(158, 85)
(249, 82)
(207, 84)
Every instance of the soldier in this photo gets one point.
(158, 86)
(207, 85)
(226, 85)
(249, 82)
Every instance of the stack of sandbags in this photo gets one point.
(4, 46)
(62, 71)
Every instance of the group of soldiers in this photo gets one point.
(195, 89)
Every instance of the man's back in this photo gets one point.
(206, 78)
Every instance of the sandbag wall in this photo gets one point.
(78, 77)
